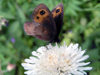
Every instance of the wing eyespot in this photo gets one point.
(42, 12)
(58, 10)
(37, 17)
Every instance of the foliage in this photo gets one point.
(81, 25)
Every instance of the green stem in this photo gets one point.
(1, 72)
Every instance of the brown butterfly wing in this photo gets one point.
(37, 30)
(43, 25)
(57, 13)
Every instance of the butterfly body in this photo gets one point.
(43, 25)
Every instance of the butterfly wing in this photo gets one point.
(43, 25)
(57, 13)
(36, 30)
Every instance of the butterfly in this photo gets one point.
(46, 25)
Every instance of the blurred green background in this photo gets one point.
(81, 25)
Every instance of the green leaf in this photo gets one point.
(7, 15)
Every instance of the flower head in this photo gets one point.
(55, 60)
(13, 40)
(10, 67)
(3, 22)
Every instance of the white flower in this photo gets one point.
(55, 60)
(10, 67)
(3, 22)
